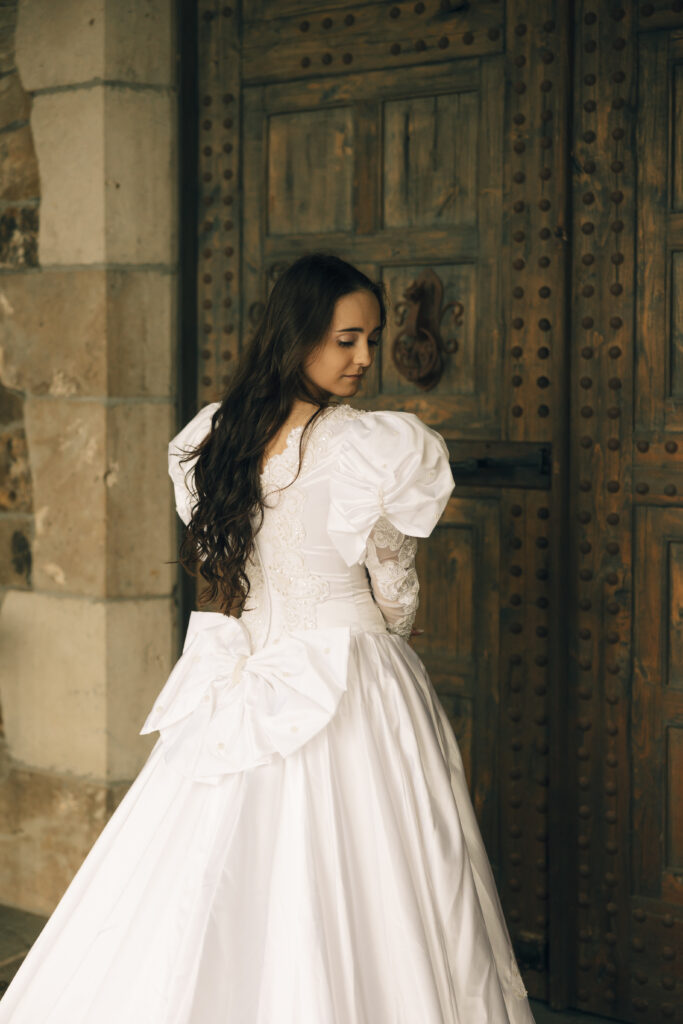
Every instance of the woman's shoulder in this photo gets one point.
(348, 422)
(181, 462)
(392, 432)
(194, 431)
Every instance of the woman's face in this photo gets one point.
(348, 348)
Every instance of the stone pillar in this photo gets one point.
(88, 344)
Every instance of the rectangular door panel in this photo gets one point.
(458, 569)
(301, 199)
(430, 161)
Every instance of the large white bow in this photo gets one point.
(225, 709)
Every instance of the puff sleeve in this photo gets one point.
(182, 473)
(389, 465)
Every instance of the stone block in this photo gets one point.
(60, 43)
(141, 333)
(15, 104)
(19, 237)
(66, 43)
(53, 684)
(88, 332)
(140, 183)
(141, 650)
(67, 445)
(141, 536)
(18, 166)
(16, 532)
(68, 131)
(101, 497)
(78, 679)
(140, 42)
(53, 332)
(48, 825)
(108, 176)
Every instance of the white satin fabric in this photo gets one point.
(300, 847)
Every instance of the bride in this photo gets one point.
(300, 846)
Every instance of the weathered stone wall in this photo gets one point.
(87, 368)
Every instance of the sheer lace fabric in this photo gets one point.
(390, 562)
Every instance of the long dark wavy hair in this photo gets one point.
(228, 513)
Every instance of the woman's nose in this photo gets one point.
(363, 354)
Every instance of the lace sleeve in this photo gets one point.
(390, 562)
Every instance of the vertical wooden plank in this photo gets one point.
(535, 598)
(651, 146)
(253, 209)
(219, 228)
(676, 137)
(674, 790)
(649, 612)
(676, 346)
(601, 498)
(673, 676)
(490, 215)
(367, 168)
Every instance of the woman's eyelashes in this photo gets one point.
(347, 343)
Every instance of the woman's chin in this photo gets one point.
(346, 387)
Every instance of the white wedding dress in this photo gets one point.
(300, 847)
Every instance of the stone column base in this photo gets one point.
(50, 822)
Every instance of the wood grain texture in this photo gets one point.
(281, 46)
(310, 171)
(430, 165)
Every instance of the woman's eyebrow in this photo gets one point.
(343, 330)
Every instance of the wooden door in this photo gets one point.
(431, 144)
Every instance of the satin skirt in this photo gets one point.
(344, 883)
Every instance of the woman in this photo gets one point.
(300, 846)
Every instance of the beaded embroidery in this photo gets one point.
(255, 615)
(283, 524)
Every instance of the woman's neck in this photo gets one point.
(301, 412)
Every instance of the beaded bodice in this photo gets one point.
(298, 579)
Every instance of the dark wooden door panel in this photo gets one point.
(657, 708)
(459, 569)
(402, 133)
(432, 145)
(623, 708)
